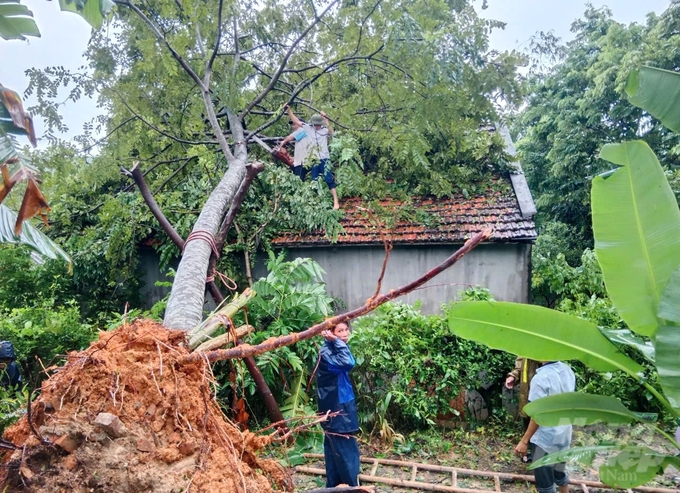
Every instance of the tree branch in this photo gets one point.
(154, 127)
(162, 39)
(138, 177)
(269, 345)
(252, 170)
(209, 65)
(96, 143)
(282, 66)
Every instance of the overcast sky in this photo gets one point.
(65, 36)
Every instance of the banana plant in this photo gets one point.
(636, 224)
(16, 20)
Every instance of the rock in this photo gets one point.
(187, 447)
(144, 445)
(150, 411)
(67, 443)
(110, 424)
(70, 462)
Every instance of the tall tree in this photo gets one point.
(580, 104)
(188, 86)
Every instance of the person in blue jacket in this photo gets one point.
(335, 393)
(10, 376)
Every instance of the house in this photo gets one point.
(502, 264)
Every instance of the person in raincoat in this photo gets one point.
(10, 375)
(335, 394)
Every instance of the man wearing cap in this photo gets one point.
(314, 137)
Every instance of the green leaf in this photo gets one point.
(93, 11)
(16, 21)
(577, 408)
(626, 336)
(656, 91)
(583, 455)
(30, 236)
(635, 466)
(667, 340)
(636, 224)
(537, 333)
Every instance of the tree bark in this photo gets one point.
(185, 306)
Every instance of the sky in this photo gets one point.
(65, 36)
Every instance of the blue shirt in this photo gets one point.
(550, 379)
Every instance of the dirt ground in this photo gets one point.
(126, 415)
(491, 451)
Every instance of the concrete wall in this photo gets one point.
(352, 272)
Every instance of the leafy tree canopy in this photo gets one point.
(581, 103)
(406, 83)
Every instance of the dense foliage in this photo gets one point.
(410, 368)
(579, 104)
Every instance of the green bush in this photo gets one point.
(410, 366)
(41, 334)
(12, 406)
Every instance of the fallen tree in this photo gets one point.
(135, 412)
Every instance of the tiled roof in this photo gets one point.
(454, 220)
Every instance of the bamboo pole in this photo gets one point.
(226, 338)
(399, 482)
(220, 318)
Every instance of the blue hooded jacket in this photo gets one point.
(10, 376)
(334, 389)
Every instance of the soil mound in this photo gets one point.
(124, 416)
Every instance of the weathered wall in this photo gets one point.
(352, 272)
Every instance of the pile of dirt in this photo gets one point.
(124, 415)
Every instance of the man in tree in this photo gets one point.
(301, 142)
(553, 377)
(313, 137)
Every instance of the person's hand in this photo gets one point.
(521, 449)
(286, 107)
(510, 382)
(276, 148)
(328, 335)
(323, 115)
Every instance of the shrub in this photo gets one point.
(410, 366)
(41, 334)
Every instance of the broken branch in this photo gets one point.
(246, 350)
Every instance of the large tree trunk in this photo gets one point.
(185, 306)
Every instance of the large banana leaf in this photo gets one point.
(30, 236)
(537, 333)
(636, 223)
(634, 466)
(16, 21)
(658, 92)
(667, 341)
(628, 338)
(93, 11)
(583, 455)
(577, 408)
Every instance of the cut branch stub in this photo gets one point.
(203, 332)
(226, 338)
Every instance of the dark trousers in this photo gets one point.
(548, 476)
(341, 453)
(320, 169)
(300, 172)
